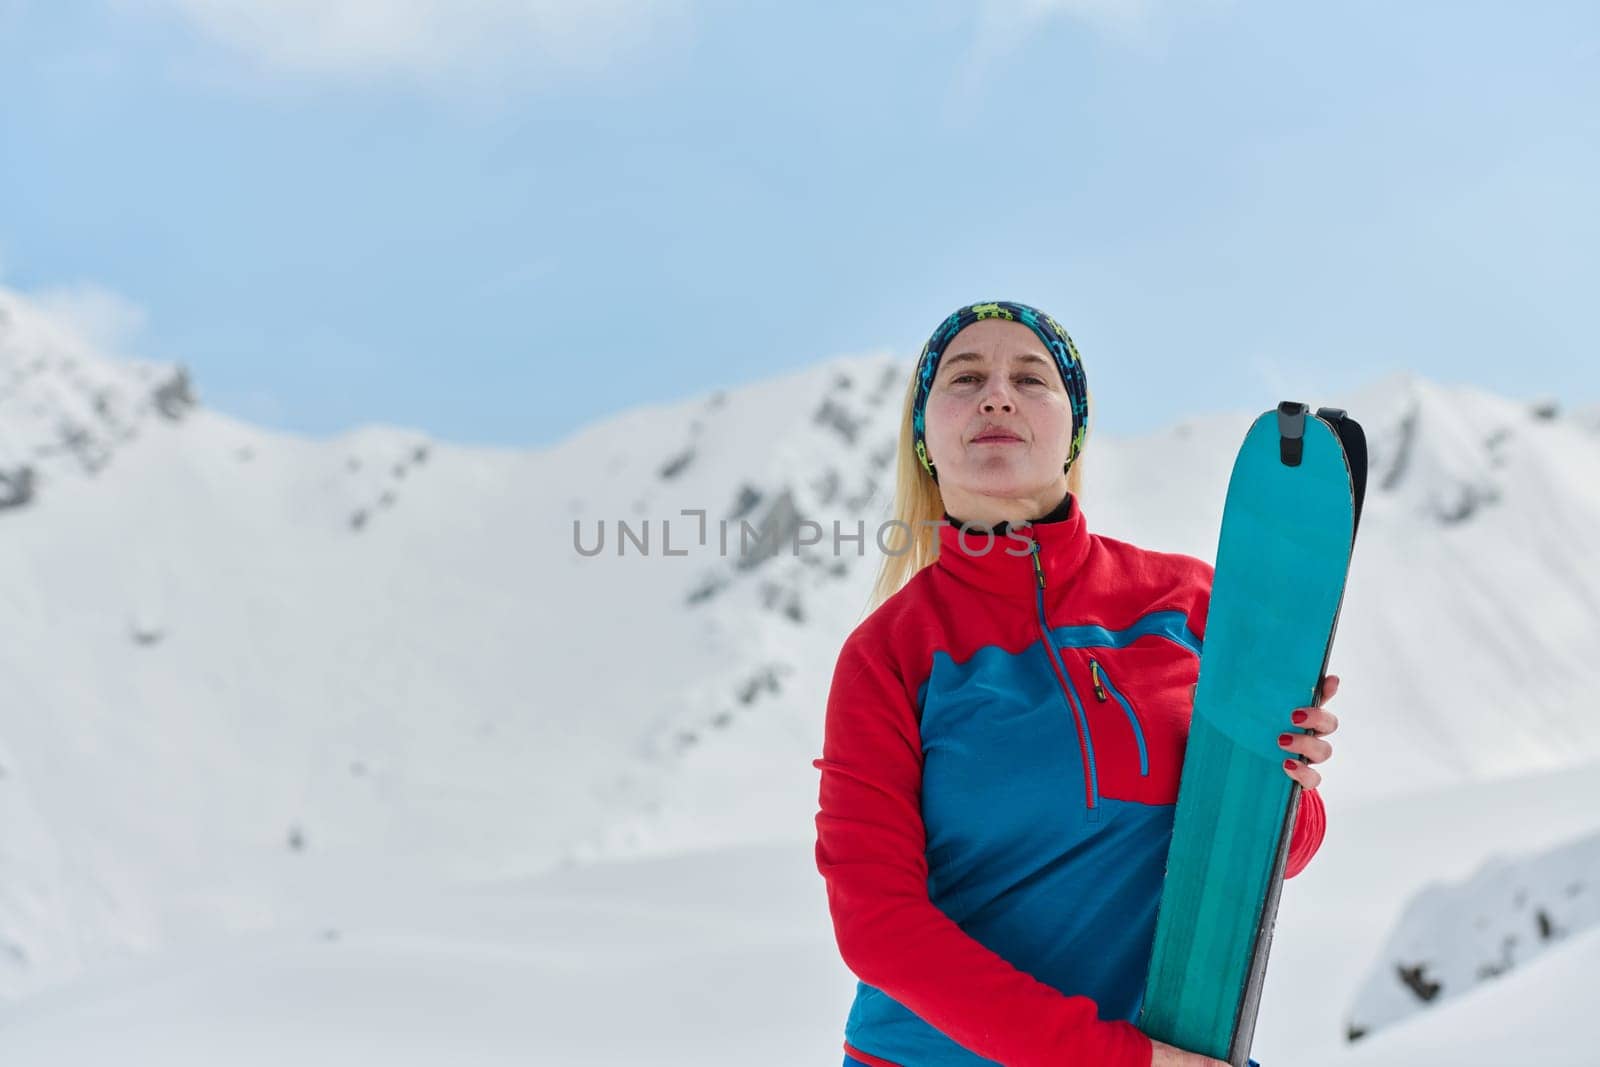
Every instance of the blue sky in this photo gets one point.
(499, 221)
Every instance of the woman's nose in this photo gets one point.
(997, 396)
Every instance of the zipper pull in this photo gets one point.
(1094, 674)
(1038, 568)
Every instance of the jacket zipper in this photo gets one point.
(1091, 782)
(1098, 674)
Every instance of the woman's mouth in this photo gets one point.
(997, 439)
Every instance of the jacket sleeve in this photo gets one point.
(1310, 824)
(1311, 820)
(871, 850)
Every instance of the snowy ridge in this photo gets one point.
(1541, 1015)
(1588, 417)
(1452, 938)
(1340, 920)
(65, 408)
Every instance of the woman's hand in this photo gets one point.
(1167, 1056)
(1321, 723)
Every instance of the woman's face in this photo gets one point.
(998, 420)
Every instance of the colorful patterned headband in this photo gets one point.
(1049, 331)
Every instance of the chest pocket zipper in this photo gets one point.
(1102, 682)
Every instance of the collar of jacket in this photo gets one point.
(1002, 563)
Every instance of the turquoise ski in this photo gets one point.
(1288, 528)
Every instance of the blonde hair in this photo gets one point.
(917, 500)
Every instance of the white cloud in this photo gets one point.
(428, 39)
(1004, 24)
(1109, 14)
(107, 320)
(1000, 27)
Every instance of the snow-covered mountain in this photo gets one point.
(66, 409)
(246, 668)
(1453, 937)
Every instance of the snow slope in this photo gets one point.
(1455, 936)
(1339, 919)
(1541, 1015)
(724, 957)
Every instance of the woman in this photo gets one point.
(1005, 732)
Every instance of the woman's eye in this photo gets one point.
(958, 379)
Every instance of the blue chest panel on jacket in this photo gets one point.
(1015, 855)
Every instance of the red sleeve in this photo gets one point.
(871, 846)
(1310, 824)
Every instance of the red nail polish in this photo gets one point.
(1284, 739)
(1290, 764)
(1298, 717)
